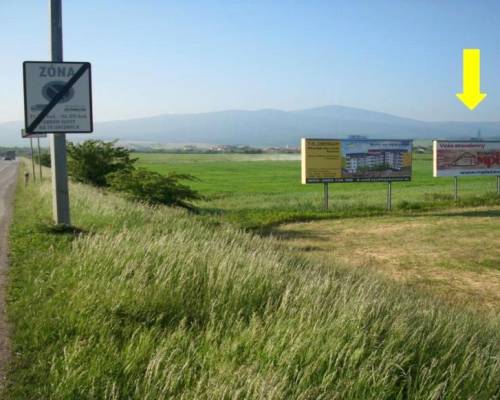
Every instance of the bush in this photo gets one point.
(154, 188)
(91, 161)
(44, 159)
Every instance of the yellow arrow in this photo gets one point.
(471, 94)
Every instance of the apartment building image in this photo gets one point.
(372, 159)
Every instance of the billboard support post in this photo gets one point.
(60, 193)
(39, 159)
(498, 185)
(32, 160)
(325, 195)
(389, 196)
(456, 188)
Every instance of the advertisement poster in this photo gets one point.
(356, 160)
(466, 158)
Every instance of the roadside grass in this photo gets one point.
(261, 194)
(152, 303)
(454, 255)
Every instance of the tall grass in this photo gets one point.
(153, 303)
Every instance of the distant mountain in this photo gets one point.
(271, 127)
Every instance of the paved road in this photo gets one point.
(8, 174)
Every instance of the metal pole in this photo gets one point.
(456, 188)
(32, 160)
(325, 195)
(389, 196)
(39, 159)
(60, 194)
(498, 185)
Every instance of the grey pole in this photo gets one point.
(325, 195)
(39, 159)
(60, 194)
(32, 160)
(389, 196)
(498, 185)
(456, 188)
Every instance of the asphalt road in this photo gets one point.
(8, 174)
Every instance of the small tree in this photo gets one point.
(44, 159)
(154, 188)
(93, 160)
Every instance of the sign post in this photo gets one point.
(60, 194)
(456, 188)
(39, 159)
(389, 196)
(57, 101)
(325, 195)
(32, 136)
(32, 160)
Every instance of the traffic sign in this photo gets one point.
(25, 135)
(57, 97)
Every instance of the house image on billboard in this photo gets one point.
(465, 159)
(373, 158)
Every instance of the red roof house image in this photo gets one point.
(466, 159)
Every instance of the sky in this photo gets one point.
(151, 57)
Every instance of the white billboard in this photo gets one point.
(466, 158)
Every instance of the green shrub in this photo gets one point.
(154, 188)
(44, 159)
(91, 161)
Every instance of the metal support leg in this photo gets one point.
(389, 196)
(325, 195)
(39, 160)
(456, 188)
(32, 160)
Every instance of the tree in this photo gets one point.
(154, 188)
(93, 160)
(44, 159)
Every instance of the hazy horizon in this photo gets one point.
(158, 57)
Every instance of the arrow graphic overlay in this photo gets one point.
(471, 94)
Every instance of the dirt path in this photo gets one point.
(8, 174)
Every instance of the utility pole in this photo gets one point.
(60, 194)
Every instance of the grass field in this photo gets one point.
(453, 255)
(153, 303)
(261, 193)
(428, 241)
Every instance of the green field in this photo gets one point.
(264, 192)
(152, 303)
(445, 248)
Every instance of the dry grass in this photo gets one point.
(454, 255)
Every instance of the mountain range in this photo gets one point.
(270, 127)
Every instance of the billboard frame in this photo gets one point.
(307, 181)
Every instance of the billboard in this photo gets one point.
(355, 160)
(466, 158)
